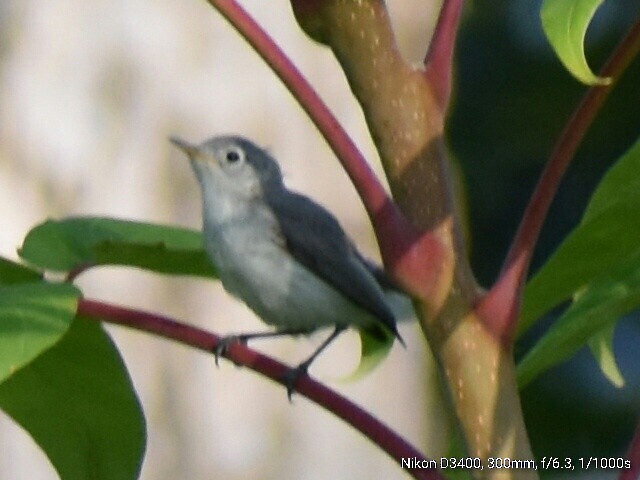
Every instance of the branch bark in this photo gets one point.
(380, 434)
(404, 108)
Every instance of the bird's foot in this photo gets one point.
(291, 377)
(226, 342)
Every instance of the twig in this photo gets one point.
(369, 188)
(439, 58)
(380, 434)
(633, 455)
(502, 304)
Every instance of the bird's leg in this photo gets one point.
(291, 377)
(227, 341)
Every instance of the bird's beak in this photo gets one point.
(190, 149)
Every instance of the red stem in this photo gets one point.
(501, 306)
(380, 434)
(633, 455)
(369, 188)
(439, 59)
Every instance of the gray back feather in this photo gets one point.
(316, 240)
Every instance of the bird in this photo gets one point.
(281, 253)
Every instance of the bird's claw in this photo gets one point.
(225, 343)
(291, 377)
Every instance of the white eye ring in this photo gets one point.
(233, 155)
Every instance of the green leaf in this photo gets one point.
(565, 24)
(597, 267)
(595, 308)
(607, 235)
(65, 245)
(11, 272)
(589, 252)
(33, 317)
(601, 345)
(373, 350)
(77, 402)
(620, 185)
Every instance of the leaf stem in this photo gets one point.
(364, 179)
(568, 144)
(633, 455)
(379, 433)
(502, 304)
(439, 58)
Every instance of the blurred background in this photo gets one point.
(90, 90)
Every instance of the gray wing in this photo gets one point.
(316, 240)
(383, 279)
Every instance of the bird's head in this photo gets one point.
(232, 166)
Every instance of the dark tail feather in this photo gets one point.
(383, 332)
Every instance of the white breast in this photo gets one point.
(254, 266)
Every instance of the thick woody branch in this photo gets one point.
(403, 116)
(406, 122)
(404, 110)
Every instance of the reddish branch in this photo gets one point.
(439, 59)
(500, 308)
(380, 434)
(633, 455)
(369, 188)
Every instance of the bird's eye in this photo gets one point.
(232, 156)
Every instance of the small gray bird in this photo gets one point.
(282, 254)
